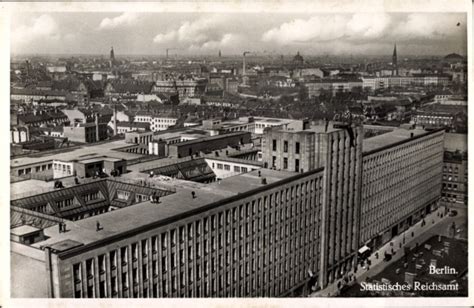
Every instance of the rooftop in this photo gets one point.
(453, 142)
(23, 230)
(85, 151)
(389, 138)
(171, 207)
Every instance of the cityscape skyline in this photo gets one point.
(186, 34)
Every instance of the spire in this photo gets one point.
(112, 55)
(394, 61)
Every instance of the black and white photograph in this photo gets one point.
(237, 153)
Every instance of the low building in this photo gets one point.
(124, 127)
(86, 132)
(207, 144)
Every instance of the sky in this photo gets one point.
(232, 33)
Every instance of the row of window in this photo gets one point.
(285, 146)
(236, 168)
(189, 253)
(37, 169)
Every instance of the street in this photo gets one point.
(435, 225)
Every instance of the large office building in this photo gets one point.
(338, 150)
(281, 230)
(401, 182)
(255, 234)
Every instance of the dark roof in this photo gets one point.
(132, 86)
(196, 170)
(29, 91)
(31, 118)
(454, 56)
(69, 84)
(134, 124)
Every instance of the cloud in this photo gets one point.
(165, 37)
(428, 26)
(227, 41)
(43, 28)
(322, 28)
(125, 19)
(365, 28)
(368, 25)
(205, 32)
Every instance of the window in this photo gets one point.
(285, 146)
(144, 248)
(140, 198)
(90, 268)
(154, 244)
(124, 255)
(219, 166)
(227, 167)
(101, 264)
(236, 169)
(77, 272)
(244, 169)
(297, 165)
(163, 241)
(145, 272)
(181, 234)
(285, 162)
(173, 237)
(297, 148)
(274, 145)
(123, 195)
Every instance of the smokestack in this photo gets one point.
(115, 119)
(97, 127)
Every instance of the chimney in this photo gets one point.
(97, 127)
(115, 119)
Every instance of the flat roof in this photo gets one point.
(453, 142)
(236, 160)
(170, 206)
(23, 230)
(103, 149)
(22, 189)
(318, 129)
(209, 138)
(392, 137)
(92, 160)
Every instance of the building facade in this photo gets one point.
(401, 184)
(337, 149)
(263, 242)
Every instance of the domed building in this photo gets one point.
(454, 58)
(298, 59)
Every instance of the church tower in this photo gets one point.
(112, 57)
(394, 61)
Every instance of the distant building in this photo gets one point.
(157, 122)
(452, 117)
(124, 127)
(185, 88)
(34, 95)
(86, 132)
(455, 172)
(420, 80)
(334, 86)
